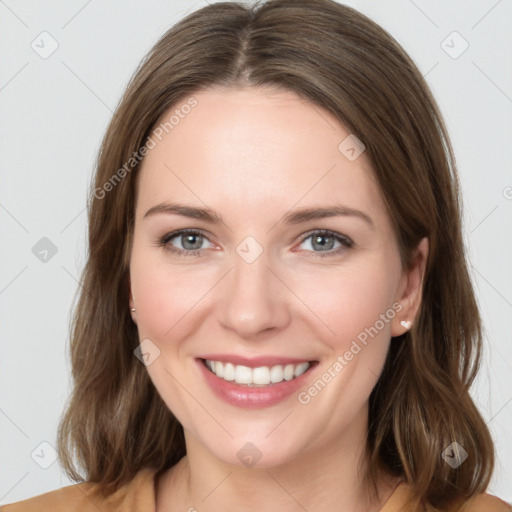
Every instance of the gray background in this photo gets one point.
(54, 112)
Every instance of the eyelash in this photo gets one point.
(346, 243)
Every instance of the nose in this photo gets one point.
(253, 299)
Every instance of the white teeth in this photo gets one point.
(288, 371)
(243, 375)
(300, 369)
(261, 376)
(276, 374)
(229, 372)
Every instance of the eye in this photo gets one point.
(187, 242)
(191, 242)
(326, 242)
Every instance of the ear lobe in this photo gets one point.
(132, 309)
(411, 290)
(131, 302)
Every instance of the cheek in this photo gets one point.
(349, 302)
(166, 298)
(163, 294)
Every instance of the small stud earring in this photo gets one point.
(132, 309)
(406, 323)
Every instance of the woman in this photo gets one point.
(276, 309)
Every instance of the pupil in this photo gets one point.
(189, 239)
(194, 239)
(323, 245)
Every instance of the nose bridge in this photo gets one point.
(251, 299)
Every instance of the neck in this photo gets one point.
(329, 478)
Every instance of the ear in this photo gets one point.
(410, 290)
(131, 302)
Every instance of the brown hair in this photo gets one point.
(116, 423)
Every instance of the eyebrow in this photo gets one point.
(293, 217)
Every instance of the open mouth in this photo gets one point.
(262, 376)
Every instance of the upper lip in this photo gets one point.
(255, 362)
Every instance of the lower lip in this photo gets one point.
(252, 397)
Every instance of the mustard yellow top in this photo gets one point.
(139, 496)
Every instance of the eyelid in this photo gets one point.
(178, 232)
(327, 232)
(164, 240)
(345, 241)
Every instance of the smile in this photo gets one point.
(258, 385)
(260, 376)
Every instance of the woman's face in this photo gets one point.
(290, 264)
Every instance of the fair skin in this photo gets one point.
(252, 156)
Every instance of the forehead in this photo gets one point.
(250, 152)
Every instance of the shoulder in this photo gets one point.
(402, 500)
(483, 503)
(134, 496)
